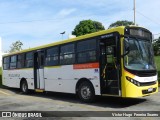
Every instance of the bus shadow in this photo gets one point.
(101, 101)
(118, 102)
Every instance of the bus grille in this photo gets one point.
(147, 92)
(148, 83)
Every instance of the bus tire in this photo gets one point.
(24, 87)
(86, 92)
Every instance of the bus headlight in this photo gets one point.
(133, 81)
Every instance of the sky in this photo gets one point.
(39, 22)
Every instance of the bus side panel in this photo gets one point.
(12, 78)
(64, 78)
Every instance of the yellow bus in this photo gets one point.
(114, 62)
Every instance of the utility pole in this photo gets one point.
(134, 12)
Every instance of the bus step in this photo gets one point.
(39, 90)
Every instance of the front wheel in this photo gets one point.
(24, 87)
(86, 92)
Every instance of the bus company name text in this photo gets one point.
(13, 75)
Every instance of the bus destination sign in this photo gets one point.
(139, 33)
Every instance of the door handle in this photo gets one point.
(59, 78)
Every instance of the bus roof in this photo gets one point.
(118, 29)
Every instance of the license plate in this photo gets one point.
(150, 89)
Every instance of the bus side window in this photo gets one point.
(52, 56)
(86, 51)
(29, 60)
(13, 62)
(20, 61)
(67, 54)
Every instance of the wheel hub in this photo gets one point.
(85, 92)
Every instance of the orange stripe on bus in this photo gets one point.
(86, 66)
(131, 75)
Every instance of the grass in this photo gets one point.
(157, 60)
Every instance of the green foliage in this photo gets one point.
(156, 46)
(15, 47)
(86, 27)
(121, 23)
(157, 60)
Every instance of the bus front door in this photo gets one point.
(39, 70)
(110, 80)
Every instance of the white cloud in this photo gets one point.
(65, 12)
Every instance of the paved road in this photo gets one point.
(13, 100)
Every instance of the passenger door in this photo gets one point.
(110, 66)
(39, 70)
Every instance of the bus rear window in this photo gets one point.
(6, 63)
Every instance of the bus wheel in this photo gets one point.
(86, 92)
(24, 87)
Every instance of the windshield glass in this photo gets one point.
(140, 56)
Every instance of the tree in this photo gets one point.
(16, 46)
(121, 23)
(86, 27)
(156, 46)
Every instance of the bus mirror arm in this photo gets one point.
(126, 47)
(128, 51)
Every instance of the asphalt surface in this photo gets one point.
(14, 100)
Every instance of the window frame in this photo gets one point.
(46, 56)
(13, 62)
(26, 60)
(88, 50)
(22, 60)
(74, 53)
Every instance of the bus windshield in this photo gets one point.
(140, 55)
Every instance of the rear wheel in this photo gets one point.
(24, 87)
(86, 92)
